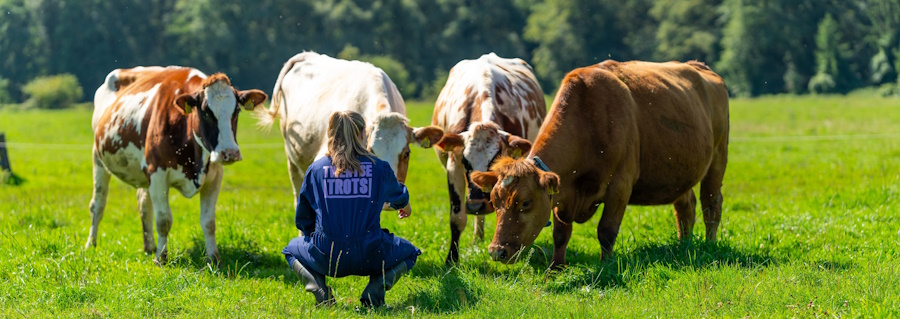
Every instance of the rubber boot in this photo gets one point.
(373, 295)
(314, 283)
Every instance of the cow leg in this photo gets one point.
(297, 174)
(562, 232)
(98, 198)
(146, 209)
(456, 187)
(685, 214)
(614, 203)
(479, 229)
(711, 195)
(159, 198)
(208, 196)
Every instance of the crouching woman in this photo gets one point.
(339, 212)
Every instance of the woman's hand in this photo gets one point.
(405, 211)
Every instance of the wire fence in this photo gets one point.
(87, 147)
(733, 139)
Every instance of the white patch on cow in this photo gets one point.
(104, 96)
(196, 73)
(507, 181)
(313, 86)
(178, 180)
(128, 164)
(221, 101)
(390, 135)
(206, 155)
(471, 79)
(130, 112)
(482, 143)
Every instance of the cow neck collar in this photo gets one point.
(541, 166)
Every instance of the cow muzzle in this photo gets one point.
(479, 207)
(226, 157)
(503, 253)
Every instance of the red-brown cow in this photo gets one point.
(618, 133)
(157, 128)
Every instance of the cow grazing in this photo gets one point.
(489, 107)
(618, 133)
(311, 86)
(157, 128)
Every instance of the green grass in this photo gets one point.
(810, 229)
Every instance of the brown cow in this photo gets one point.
(618, 133)
(158, 128)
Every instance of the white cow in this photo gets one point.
(312, 86)
(489, 107)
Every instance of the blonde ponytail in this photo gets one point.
(346, 141)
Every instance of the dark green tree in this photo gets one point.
(23, 51)
(576, 33)
(688, 30)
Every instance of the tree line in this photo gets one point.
(758, 46)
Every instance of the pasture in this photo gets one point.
(810, 229)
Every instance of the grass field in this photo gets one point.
(810, 229)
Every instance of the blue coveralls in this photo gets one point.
(341, 221)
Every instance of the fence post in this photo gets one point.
(4, 158)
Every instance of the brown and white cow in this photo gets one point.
(618, 133)
(312, 86)
(489, 107)
(157, 128)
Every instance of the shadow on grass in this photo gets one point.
(454, 292)
(587, 269)
(239, 260)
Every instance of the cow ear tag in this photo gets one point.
(426, 143)
(517, 153)
(187, 108)
(552, 191)
(249, 105)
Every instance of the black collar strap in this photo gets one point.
(540, 165)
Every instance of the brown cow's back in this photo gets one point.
(682, 115)
(657, 123)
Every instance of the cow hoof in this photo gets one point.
(213, 260)
(161, 259)
(558, 267)
(451, 261)
(150, 250)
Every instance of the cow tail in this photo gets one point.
(266, 117)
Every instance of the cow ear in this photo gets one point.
(515, 146)
(450, 142)
(186, 102)
(484, 180)
(250, 99)
(427, 136)
(549, 181)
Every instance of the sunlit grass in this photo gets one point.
(810, 228)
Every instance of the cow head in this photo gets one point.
(478, 148)
(215, 108)
(390, 136)
(521, 193)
